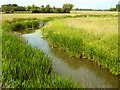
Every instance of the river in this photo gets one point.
(89, 74)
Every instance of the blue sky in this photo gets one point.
(94, 4)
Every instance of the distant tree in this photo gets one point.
(59, 10)
(10, 8)
(34, 9)
(42, 10)
(14, 5)
(112, 9)
(42, 6)
(6, 9)
(47, 9)
(28, 8)
(118, 7)
(53, 7)
(67, 7)
(21, 8)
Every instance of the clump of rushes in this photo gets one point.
(14, 20)
(25, 67)
(78, 42)
(22, 25)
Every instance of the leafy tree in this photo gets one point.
(53, 7)
(118, 7)
(10, 8)
(28, 8)
(21, 8)
(112, 9)
(47, 9)
(67, 7)
(42, 10)
(6, 9)
(34, 9)
(14, 5)
(59, 10)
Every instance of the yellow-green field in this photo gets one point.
(96, 25)
(44, 15)
(94, 12)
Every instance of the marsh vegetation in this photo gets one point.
(87, 35)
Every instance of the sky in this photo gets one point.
(93, 4)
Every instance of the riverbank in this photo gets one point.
(90, 38)
(88, 73)
(25, 67)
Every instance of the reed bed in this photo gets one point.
(100, 46)
(22, 25)
(25, 67)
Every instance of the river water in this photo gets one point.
(89, 74)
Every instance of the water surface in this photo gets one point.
(89, 74)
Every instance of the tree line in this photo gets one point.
(117, 8)
(10, 8)
(79, 9)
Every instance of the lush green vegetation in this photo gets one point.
(10, 8)
(22, 25)
(101, 47)
(17, 24)
(17, 12)
(33, 23)
(25, 67)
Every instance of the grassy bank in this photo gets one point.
(25, 67)
(92, 38)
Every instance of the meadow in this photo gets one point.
(82, 35)
(45, 15)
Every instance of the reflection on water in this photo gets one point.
(86, 71)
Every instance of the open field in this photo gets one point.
(40, 15)
(95, 12)
(44, 15)
(93, 38)
(97, 25)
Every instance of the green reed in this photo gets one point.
(81, 44)
(23, 66)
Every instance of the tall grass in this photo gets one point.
(45, 15)
(80, 43)
(22, 25)
(17, 23)
(25, 67)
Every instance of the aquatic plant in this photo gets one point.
(79, 42)
(22, 25)
(25, 67)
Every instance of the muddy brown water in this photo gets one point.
(89, 74)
